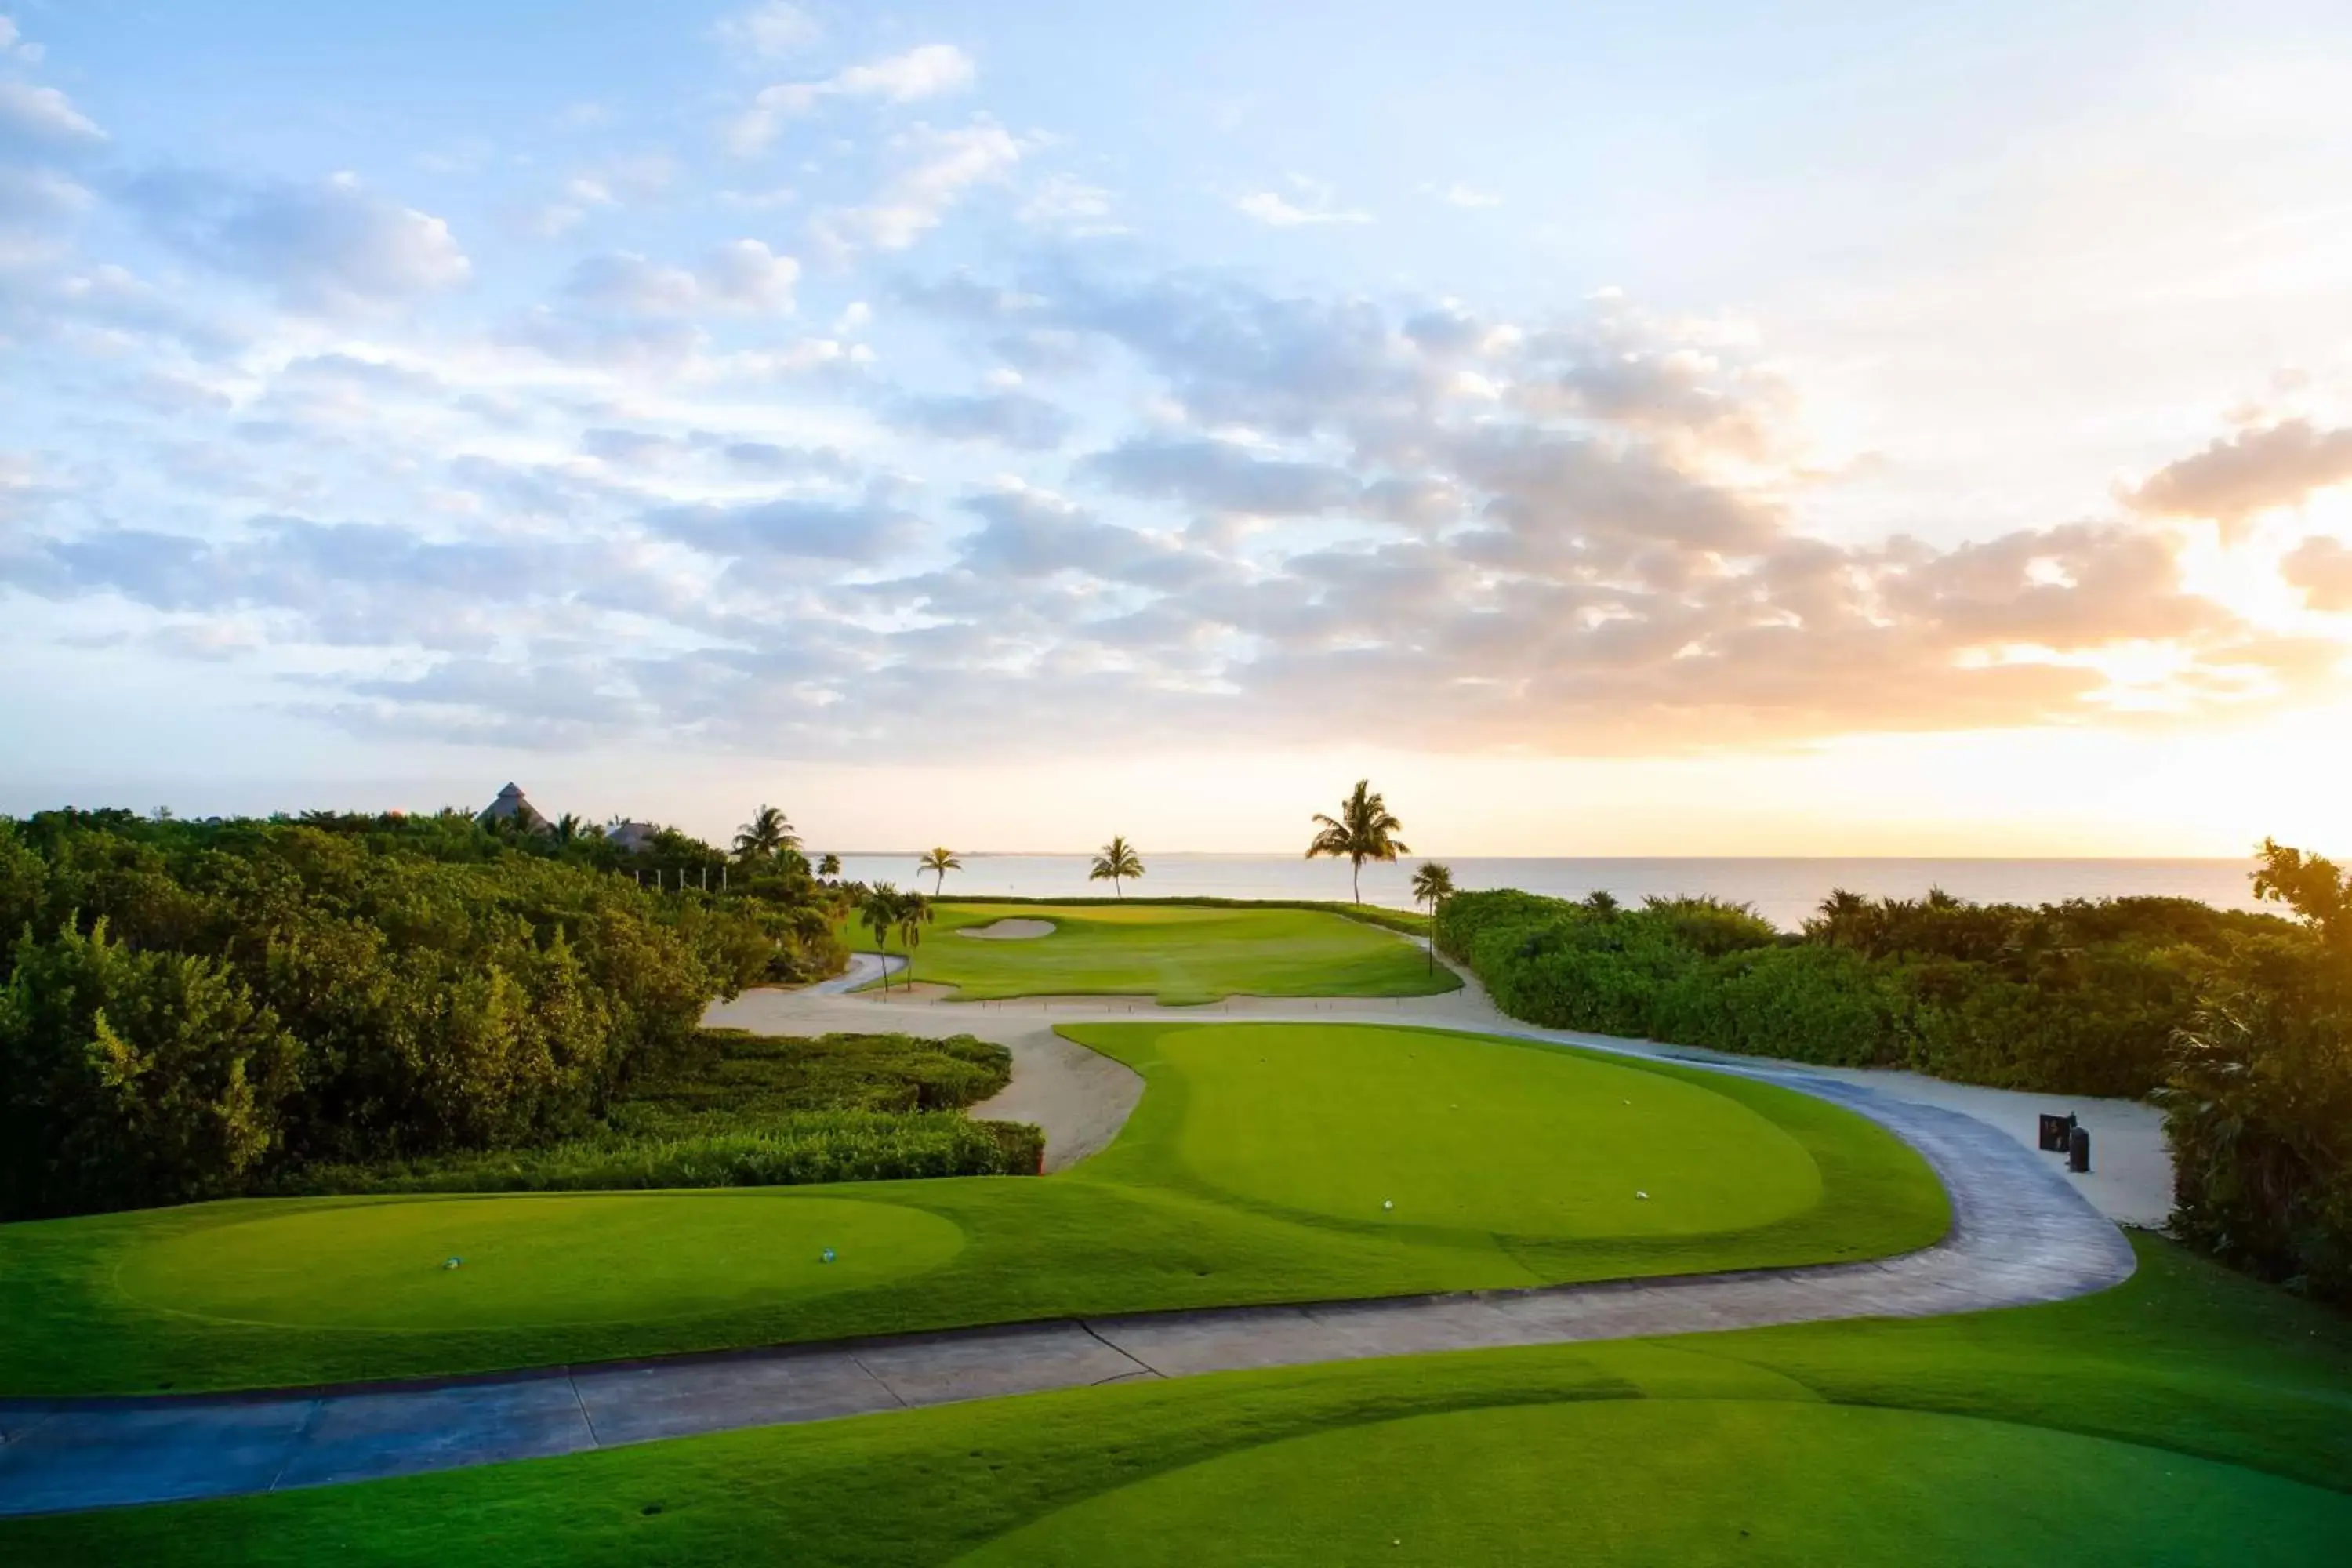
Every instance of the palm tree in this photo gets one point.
(572, 828)
(1363, 831)
(1118, 860)
(941, 862)
(1433, 885)
(829, 867)
(878, 913)
(766, 833)
(914, 914)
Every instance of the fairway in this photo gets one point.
(1487, 1136)
(1178, 954)
(1691, 1481)
(530, 1260)
(1264, 1163)
(2186, 1416)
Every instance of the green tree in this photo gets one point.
(939, 861)
(1432, 884)
(1117, 862)
(1364, 830)
(829, 867)
(914, 914)
(764, 834)
(130, 1078)
(877, 911)
(2314, 887)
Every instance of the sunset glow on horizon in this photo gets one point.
(1724, 430)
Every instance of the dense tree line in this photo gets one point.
(189, 1008)
(2239, 1024)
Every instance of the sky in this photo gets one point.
(1713, 429)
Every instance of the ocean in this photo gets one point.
(1784, 891)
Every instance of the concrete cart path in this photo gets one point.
(2021, 1234)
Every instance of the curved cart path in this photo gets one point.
(2022, 1233)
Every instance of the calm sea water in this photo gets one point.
(1782, 891)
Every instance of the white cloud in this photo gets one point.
(1464, 196)
(329, 246)
(769, 31)
(933, 171)
(1316, 205)
(743, 275)
(43, 119)
(928, 71)
(1061, 202)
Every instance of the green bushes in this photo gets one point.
(2077, 998)
(191, 1007)
(128, 1078)
(2259, 1107)
(791, 1151)
(746, 1111)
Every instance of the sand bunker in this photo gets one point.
(1009, 931)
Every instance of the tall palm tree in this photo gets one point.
(1433, 885)
(877, 911)
(939, 861)
(914, 914)
(765, 834)
(1118, 860)
(1363, 831)
(829, 867)
(572, 828)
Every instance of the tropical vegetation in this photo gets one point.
(195, 1009)
(1364, 830)
(1118, 865)
(938, 862)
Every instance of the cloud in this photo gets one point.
(2252, 471)
(1220, 476)
(2321, 568)
(1008, 418)
(930, 171)
(931, 70)
(43, 120)
(1465, 197)
(330, 246)
(743, 275)
(1315, 206)
(863, 533)
(771, 31)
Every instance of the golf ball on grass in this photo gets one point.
(826, 1257)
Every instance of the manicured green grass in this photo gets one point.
(1179, 955)
(1254, 1170)
(2188, 1415)
(531, 1261)
(1600, 1481)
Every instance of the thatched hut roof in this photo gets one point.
(511, 806)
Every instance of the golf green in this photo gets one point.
(1180, 954)
(1491, 1136)
(1692, 1481)
(533, 1261)
(1254, 1169)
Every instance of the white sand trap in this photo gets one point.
(1009, 930)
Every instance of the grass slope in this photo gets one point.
(2188, 1416)
(1252, 1171)
(1180, 954)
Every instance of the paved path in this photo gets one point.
(2021, 1235)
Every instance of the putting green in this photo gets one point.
(1251, 1171)
(533, 1261)
(1474, 1134)
(1179, 955)
(1693, 1482)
